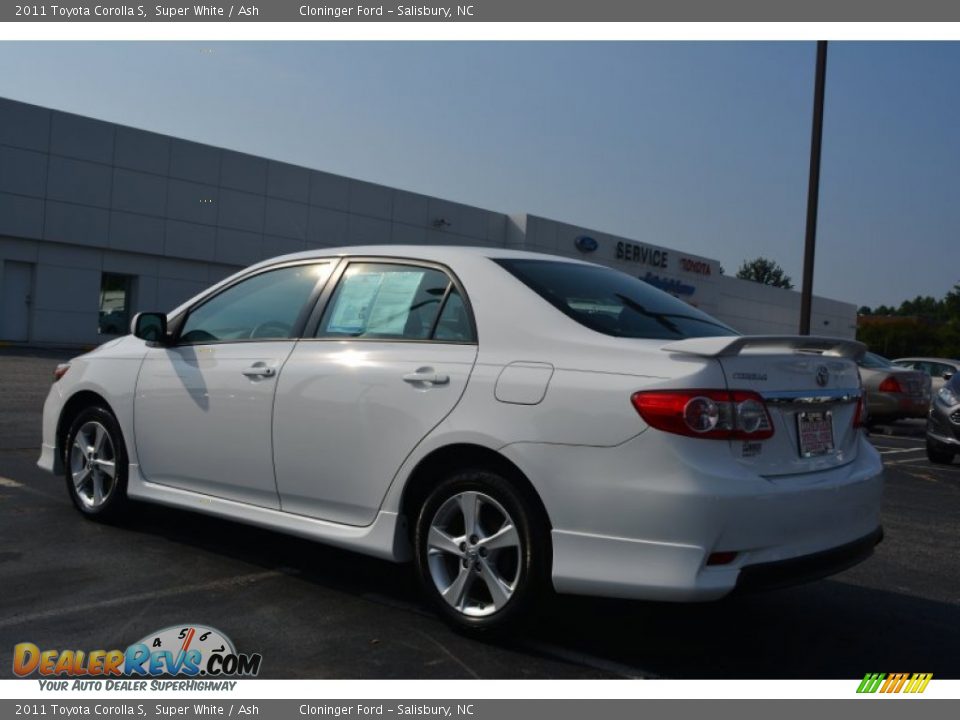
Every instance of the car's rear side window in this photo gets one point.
(385, 301)
(875, 362)
(612, 302)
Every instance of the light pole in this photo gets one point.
(813, 188)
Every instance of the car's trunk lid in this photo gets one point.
(810, 386)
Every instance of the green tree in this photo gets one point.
(764, 271)
(922, 326)
(952, 304)
(926, 307)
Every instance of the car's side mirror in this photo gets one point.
(150, 326)
(947, 375)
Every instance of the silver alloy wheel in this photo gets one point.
(93, 467)
(473, 538)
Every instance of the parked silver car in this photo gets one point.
(893, 393)
(940, 370)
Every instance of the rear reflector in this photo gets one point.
(721, 558)
(60, 371)
(715, 414)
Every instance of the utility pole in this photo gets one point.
(813, 188)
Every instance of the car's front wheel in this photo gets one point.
(938, 455)
(95, 462)
(482, 550)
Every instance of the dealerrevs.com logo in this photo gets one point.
(179, 650)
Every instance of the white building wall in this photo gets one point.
(80, 197)
(754, 308)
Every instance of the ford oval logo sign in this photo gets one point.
(586, 244)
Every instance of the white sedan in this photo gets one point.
(509, 421)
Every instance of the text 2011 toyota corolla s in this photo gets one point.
(509, 421)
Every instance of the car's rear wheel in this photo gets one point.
(95, 463)
(482, 550)
(937, 454)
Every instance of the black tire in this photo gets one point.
(937, 454)
(531, 561)
(115, 499)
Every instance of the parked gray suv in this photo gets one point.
(943, 423)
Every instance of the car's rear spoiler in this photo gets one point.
(734, 345)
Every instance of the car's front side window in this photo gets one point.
(392, 302)
(263, 307)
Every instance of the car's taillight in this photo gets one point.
(60, 371)
(860, 416)
(890, 384)
(716, 414)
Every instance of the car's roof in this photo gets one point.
(949, 361)
(437, 253)
(457, 257)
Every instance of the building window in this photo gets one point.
(116, 295)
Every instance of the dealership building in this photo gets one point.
(99, 221)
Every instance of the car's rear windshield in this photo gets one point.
(874, 361)
(613, 302)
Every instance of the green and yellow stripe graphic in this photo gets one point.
(894, 682)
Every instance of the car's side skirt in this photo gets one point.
(384, 537)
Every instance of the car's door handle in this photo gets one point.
(259, 370)
(426, 376)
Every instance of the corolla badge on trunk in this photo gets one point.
(758, 376)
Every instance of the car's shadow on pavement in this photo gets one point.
(827, 629)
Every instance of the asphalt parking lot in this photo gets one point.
(316, 612)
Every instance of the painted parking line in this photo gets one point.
(918, 446)
(576, 657)
(905, 461)
(898, 451)
(925, 464)
(6, 482)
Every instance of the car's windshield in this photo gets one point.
(613, 302)
(872, 360)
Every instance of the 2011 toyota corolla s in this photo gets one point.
(507, 420)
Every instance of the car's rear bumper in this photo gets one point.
(892, 406)
(783, 573)
(642, 520)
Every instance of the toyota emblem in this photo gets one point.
(823, 376)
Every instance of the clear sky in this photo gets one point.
(703, 147)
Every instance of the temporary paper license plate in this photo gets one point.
(816, 433)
